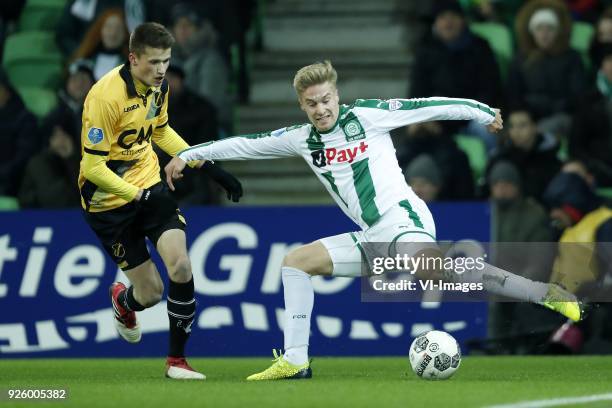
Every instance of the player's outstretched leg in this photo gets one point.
(125, 307)
(501, 282)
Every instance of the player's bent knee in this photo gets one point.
(306, 258)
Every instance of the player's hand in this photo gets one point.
(497, 124)
(174, 171)
(230, 183)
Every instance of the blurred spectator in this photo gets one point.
(18, 137)
(79, 15)
(429, 138)
(76, 20)
(455, 63)
(72, 96)
(49, 179)
(106, 43)
(534, 153)
(546, 75)
(195, 119)
(423, 175)
(517, 220)
(591, 135)
(580, 216)
(601, 39)
(206, 73)
(584, 256)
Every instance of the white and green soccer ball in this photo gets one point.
(435, 355)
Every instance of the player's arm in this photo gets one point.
(99, 119)
(395, 113)
(172, 143)
(268, 145)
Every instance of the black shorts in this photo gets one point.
(122, 230)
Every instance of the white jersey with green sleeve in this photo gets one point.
(355, 160)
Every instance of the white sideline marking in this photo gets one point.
(556, 402)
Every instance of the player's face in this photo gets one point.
(151, 65)
(320, 102)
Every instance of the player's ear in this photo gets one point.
(301, 102)
(132, 58)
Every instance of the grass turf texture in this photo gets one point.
(354, 382)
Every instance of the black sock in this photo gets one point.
(127, 300)
(181, 312)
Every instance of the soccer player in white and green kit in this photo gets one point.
(349, 149)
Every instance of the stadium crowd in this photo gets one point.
(548, 176)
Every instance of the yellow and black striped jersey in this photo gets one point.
(121, 118)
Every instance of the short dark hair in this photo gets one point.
(152, 35)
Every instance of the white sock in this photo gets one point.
(504, 283)
(299, 299)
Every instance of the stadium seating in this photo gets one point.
(476, 152)
(8, 203)
(605, 192)
(500, 41)
(31, 58)
(580, 40)
(39, 101)
(40, 15)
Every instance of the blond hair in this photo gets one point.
(314, 74)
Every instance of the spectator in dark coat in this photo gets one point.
(50, 177)
(591, 135)
(72, 96)
(453, 62)
(546, 76)
(19, 138)
(206, 73)
(532, 152)
(195, 119)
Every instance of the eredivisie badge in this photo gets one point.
(95, 135)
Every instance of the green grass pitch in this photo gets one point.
(336, 382)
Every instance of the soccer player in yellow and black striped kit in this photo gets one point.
(124, 199)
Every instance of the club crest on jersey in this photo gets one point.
(353, 130)
(394, 104)
(95, 135)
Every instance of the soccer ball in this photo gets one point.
(435, 355)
